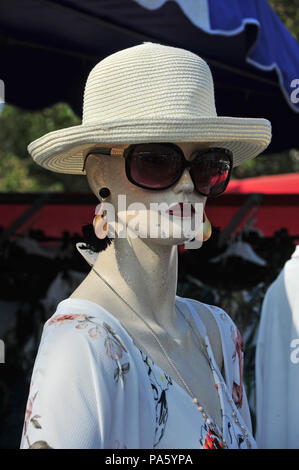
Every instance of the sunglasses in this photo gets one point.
(158, 166)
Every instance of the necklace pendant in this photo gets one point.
(213, 438)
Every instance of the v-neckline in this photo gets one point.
(182, 390)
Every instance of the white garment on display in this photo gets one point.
(277, 366)
(92, 388)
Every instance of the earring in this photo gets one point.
(96, 234)
(104, 193)
(206, 229)
(100, 226)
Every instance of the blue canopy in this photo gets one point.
(272, 48)
(47, 49)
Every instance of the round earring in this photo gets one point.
(104, 193)
(206, 229)
(96, 234)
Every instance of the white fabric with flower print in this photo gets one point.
(92, 388)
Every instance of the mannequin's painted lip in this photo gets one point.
(183, 210)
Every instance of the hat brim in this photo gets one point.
(64, 150)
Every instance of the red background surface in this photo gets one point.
(69, 212)
(273, 184)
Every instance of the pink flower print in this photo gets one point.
(113, 349)
(29, 410)
(63, 318)
(114, 335)
(237, 394)
(239, 350)
(81, 325)
(95, 332)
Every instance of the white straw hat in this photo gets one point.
(149, 93)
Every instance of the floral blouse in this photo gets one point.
(92, 388)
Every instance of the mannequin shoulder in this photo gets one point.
(81, 318)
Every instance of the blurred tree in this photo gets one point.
(288, 12)
(274, 164)
(18, 172)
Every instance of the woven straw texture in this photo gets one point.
(149, 93)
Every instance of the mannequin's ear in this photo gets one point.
(95, 172)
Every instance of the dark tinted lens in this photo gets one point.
(154, 166)
(210, 172)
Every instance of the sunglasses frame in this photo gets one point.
(128, 151)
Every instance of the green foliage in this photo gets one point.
(288, 12)
(285, 162)
(18, 172)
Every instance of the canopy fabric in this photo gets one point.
(47, 49)
(273, 48)
(273, 184)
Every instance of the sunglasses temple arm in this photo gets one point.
(103, 151)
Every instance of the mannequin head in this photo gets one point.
(103, 171)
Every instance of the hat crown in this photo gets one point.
(149, 81)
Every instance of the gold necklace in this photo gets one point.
(200, 408)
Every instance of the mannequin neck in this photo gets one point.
(144, 273)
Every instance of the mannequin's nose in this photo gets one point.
(185, 183)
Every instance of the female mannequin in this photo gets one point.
(144, 270)
(128, 301)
